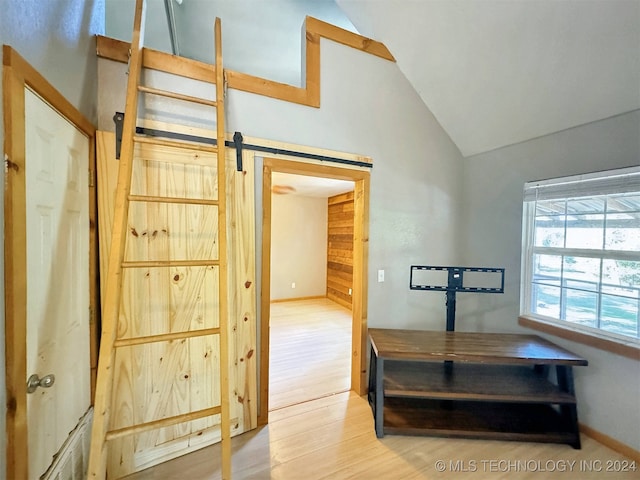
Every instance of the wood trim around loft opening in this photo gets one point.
(308, 95)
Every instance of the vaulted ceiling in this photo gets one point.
(493, 72)
(496, 72)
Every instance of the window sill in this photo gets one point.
(619, 348)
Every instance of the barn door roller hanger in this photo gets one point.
(237, 143)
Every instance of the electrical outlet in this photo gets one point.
(293, 285)
(349, 291)
(380, 275)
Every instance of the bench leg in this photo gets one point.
(379, 413)
(569, 412)
(371, 394)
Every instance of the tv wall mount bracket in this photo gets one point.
(455, 284)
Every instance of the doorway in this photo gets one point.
(311, 267)
(360, 253)
(50, 301)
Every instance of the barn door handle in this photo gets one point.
(45, 382)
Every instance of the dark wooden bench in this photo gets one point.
(472, 385)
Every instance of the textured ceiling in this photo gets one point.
(495, 73)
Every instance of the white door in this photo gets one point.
(57, 278)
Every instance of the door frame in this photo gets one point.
(18, 74)
(361, 178)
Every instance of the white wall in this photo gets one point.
(367, 108)
(298, 246)
(609, 388)
(55, 37)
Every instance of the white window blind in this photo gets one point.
(623, 180)
(581, 252)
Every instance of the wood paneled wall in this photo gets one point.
(340, 249)
(167, 378)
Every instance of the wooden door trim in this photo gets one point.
(361, 178)
(18, 74)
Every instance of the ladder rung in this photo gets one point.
(177, 96)
(165, 337)
(165, 422)
(171, 263)
(184, 201)
(175, 144)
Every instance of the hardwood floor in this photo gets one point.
(310, 351)
(332, 437)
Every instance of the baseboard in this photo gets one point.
(282, 300)
(612, 443)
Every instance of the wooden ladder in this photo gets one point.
(102, 433)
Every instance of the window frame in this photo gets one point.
(577, 186)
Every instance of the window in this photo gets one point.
(581, 253)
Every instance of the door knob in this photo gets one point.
(45, 382)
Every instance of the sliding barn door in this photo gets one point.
(164, 379)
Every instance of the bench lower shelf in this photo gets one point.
(488, 420)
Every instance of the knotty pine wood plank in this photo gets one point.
(340, 199)
(242, 288)
(340, 247)
(163, 369)
(348, 230)
(341, 281)
(345, 207)
(342, 223)
(346, 246)
(343, 257)
(339, 216)
(341, 237)
(165, 175)
(340, 276)
(341, 267)
(107, 170)
(338, 287)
